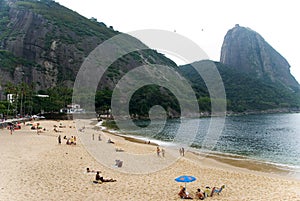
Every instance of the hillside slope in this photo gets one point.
(46, 44)
(243, 91)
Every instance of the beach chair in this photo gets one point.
(218, 191)
(119, 163)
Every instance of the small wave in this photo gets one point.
(237, 157)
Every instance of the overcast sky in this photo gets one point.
(203, 21)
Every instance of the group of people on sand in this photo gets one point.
(99, 137)
(160, 151)
(69, 140)
(208, 192)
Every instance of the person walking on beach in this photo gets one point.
(182, 149)
(11, 128)
(99, 137)
(157, 151)
(163, 152)
(37, 128)
(93, 136)
(59, 139)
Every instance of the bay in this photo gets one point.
(268, 138)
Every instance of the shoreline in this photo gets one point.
(248, 164)
(130, 138)
(237, 161)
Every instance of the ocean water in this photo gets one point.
(268, 138)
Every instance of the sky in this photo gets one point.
(205, 22)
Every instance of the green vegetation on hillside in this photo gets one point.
(148, 96)
(25, 99)
(66, 18)
(244, 92)
(9, 62)
(135, 59)
(4, 20)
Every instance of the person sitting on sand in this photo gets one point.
(208, 192)
(68, 141)
(100, 178)
(200, 194)
(183, 195)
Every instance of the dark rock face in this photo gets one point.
(247, 51)
(53, 41)
(55, 53)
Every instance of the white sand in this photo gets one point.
(35, 167)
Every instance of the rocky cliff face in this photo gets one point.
(247, 51)
(47, 44)
(55, 52)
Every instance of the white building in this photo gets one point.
(10, 98)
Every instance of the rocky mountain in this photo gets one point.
(45, 43)
(248, 52)
(244, 93)
(255, 76)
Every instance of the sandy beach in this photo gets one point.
(35, 167)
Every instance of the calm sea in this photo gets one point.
(268, 138)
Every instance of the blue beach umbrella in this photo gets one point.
(185, 179)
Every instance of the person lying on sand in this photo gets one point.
(88, 170)
(183, 195)
(100, 178)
